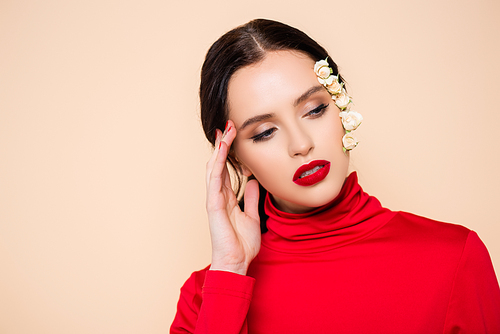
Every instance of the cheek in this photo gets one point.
(263, 160)
(244, 154)
(328, 134)
(336, 130)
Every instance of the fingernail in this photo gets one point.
(225, 127)
(229, 129)
(220, 144)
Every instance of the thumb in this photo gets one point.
(251, 199)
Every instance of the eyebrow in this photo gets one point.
(309, 92)
(256, 119)
(299, 100)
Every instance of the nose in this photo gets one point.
(300, 142)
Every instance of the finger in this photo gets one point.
(211, 161)
(217, 174)
(227, 138)
(229, 133)
(220, 194)
(251, 199)
(218, 137)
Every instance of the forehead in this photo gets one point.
(271, 84)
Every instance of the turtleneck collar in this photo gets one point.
(351, 216)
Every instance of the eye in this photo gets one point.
(264, 135)
(318, 111)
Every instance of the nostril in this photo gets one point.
(304, 150)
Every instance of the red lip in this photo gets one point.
(314, 178)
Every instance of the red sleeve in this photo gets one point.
(474, 305)
(213, 302)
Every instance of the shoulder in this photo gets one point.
(425, 229)
(442, 249)
(426, 239)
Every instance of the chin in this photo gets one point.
(310, 199)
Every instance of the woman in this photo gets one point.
(315, 254)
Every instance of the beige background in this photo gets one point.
(102, 155)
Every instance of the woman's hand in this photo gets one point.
(235, 234)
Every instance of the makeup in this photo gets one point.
(311, 173)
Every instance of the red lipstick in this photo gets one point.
(311, 173)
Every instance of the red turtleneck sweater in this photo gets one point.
(351, 266)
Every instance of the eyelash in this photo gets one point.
(318, 111)
(263, 135)
(315, 113)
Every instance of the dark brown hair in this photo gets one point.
(240, 47)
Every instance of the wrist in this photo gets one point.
(237, 269)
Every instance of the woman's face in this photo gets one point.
(289, 134)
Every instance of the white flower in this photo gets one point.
(324, 72)
(319, 65)
(350, 119)
(327, 81)
(335, 87)
(349, 141)
(342, 100)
